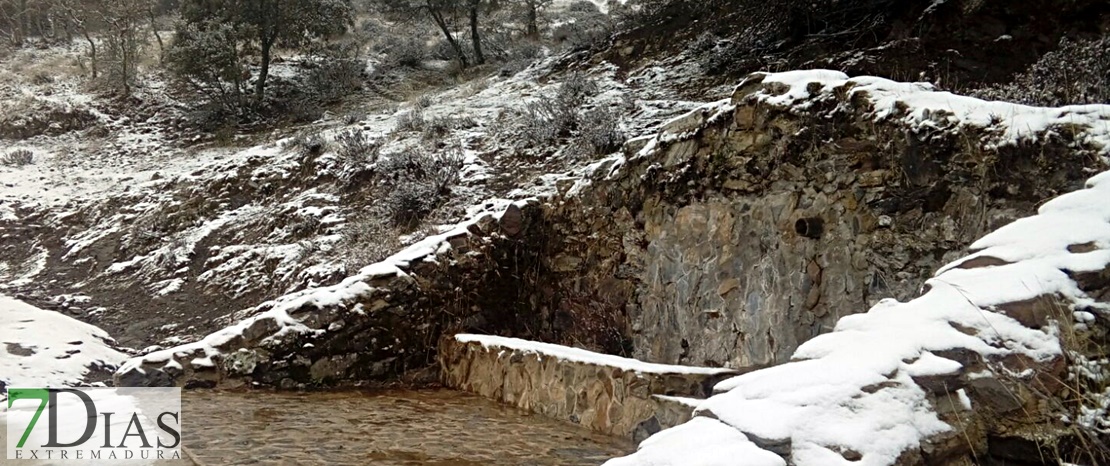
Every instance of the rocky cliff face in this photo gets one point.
(751, 226)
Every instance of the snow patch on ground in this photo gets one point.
(704, 442)
(40, 348)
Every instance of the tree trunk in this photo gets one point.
(157, 35)
(92, 51)
(442, 23)
(24, 22)
(533, 28)
(475, 37)
(264, 71)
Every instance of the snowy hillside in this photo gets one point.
(795, 233)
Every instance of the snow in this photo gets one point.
(921, 107)
(566, 353)
(701, 442)
(61, 349)
(965, 400)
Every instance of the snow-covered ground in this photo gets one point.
(133, 205)
(40, 348)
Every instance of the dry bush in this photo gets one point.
(423, 101)
(417, 181)
(18, 158)
(306, 143)
(367, 239)
(600, 132)
(1078, 72)
(355, 148)
(1075, 411)
(1084, 406)
(402, 51)
(338, 72)
(549, 118)
(412, 120)
(437, 128)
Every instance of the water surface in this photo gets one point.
(398, 427)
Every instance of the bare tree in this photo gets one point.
(123, 36)
(81, 17)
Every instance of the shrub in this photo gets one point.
(443, 50)
(366, 239)
(424, 101)
(354, 117)
(582, 26)
(526, 51)
(542, 122)
(1078, 72)
(409, 202)
(412, 120)
(205, 58)
(437, 128)
(418, 180)
(306, 144)
(404, 52)
(552, 117)
(18, 158)
(303, 110)
(337, 72)
(577, 89)
(355, 148)
(600, 132)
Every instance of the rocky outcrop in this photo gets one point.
(604, 393)
(752, 225)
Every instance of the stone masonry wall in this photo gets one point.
(605, 398)
(379, 326)
(748, 229)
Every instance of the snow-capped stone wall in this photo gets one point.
(975, 359)
(926, 381)
(605, 393)
(752, 225)
(376, 325)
